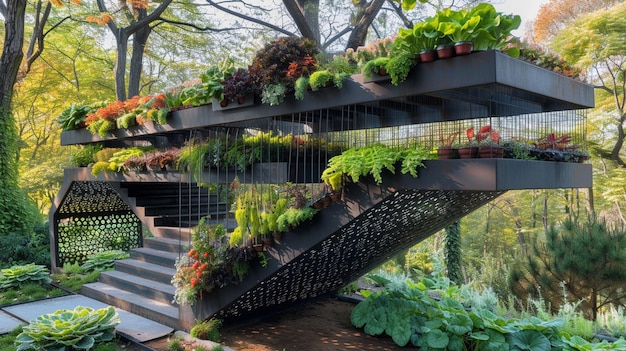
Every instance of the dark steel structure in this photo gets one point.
(370, 223)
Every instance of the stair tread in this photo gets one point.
(170, 241)
(134, 279)
(153, 252)
(132, 298)
(148, 266)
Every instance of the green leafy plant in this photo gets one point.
(73, 117)
(104, 260)
(371, 160)
(85, 155)
(375, 66)
(207, 330)
(399, 67)
(300, 87)
(80, 328)
(293, 217)
(20, 275)
(274, 94)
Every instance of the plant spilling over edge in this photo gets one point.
(372, 160)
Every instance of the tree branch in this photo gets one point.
(248, 18)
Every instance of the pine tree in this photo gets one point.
(576, 262)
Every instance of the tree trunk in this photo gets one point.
(359, 33)
(453, 252)
(120, 65)
(12, 54)
(297, 12)
(140, 38)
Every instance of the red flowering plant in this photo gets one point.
(211, 263)
(485, 135)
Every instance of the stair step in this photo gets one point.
(151, 289)
(183, 233)
(186, 209)
(174, 200)
(146, 270)
(160, 312)
(162, 258)
(167, 244)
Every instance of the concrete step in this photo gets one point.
(146, 270)
(151, 289)
(166, 244)
(158, 257)
(160, 312)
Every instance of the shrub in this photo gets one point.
(80, 328)
(207, 330)
(18, 276)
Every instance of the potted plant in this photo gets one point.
(460, 29)
(74, 117)
(446, 150)
(325, 78)
(269, 67)
(494, 31)
(238, 88)
(399, 67)
(488, 141)
(376, 67)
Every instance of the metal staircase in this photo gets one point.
(349, 237)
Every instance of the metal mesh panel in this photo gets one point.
(400, 221)
(93, 218)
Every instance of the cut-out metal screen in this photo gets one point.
(93, 218)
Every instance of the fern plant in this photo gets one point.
(371, 161)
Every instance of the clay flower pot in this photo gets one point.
(463, 48)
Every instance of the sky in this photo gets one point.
(527, 9)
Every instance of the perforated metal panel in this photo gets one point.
(400, 221)
(93, 218)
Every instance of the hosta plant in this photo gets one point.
(104, 260)
(17, 276)
(78, 329)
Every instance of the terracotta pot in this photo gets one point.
(224, 102)
(428, 55)
(463, 48)
(446, 153)
(491, 152)
(468, 152)
(445, 51)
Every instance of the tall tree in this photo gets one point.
(17, 214)
(334, 25)
(134, 20)
(555, 15)
(596, 42)
(577, 263)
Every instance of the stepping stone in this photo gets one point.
(8, 322)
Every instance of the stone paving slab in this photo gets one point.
(133, 326)
(8, 322)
